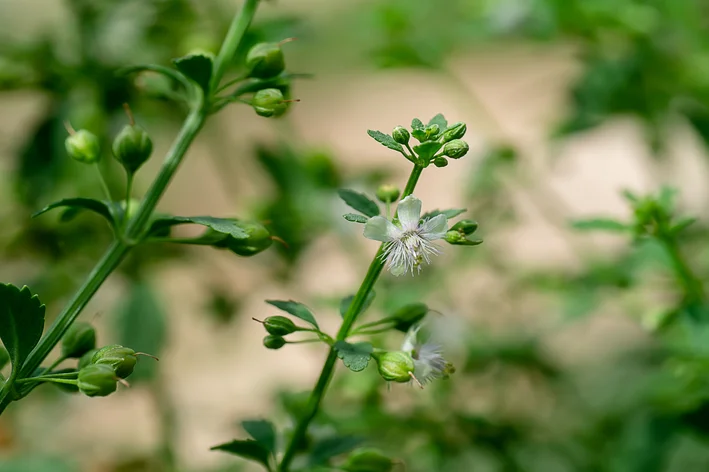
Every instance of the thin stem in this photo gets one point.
(46, 379)
(104, 186)
(58, 361)
(313, 406)
(692, 285)
(137, 225)
(129, 190)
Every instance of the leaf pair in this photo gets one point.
(261, 448)
(361, 203)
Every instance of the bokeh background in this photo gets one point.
(553, 329)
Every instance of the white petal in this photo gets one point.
(397, 270)
(435, 228)
(409, 212)
(380, 229)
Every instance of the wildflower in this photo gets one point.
(429, 363)
(408, 239)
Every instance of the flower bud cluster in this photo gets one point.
(277, 328)
(459, 234)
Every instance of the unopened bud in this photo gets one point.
(432, 131)
(86, 358)
(455, 131)
(395, 366)
(368, 460)
(466, 227)
(79, 339)
(279, 325)
(456, 149)
(408, 315)
(401, 135)
(132, 147)
(388, 193)
(459, 239)
(269, 103)
(97, 380)
(265, 60)
(274, 342)
(259, 239)
(440, 161)
(83, 146)
(121, 359)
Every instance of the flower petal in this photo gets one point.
(409, 212)
(380, 229)
(435, 228)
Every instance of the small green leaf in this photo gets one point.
(602, 224)
(196, 67)
(426, 150)
(451, 213)
(385, 140)
(248, 449)
(359, 202)
(682, 224)
(354, 356)
(263, 432)
(354, 218)
(296, 309)
(439, 120)
(417, 124)
(327, 448)
(221, 225)
(21, 322)
(103, 208)
(347, 301)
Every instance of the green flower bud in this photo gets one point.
(368, 460)
(458, 238)
(121, 359)
(455, 131)
(279, 325)
(83, 146)
(465, 226)
(269, 102)
(395, 366)
(4, 357)
(432, 131)
(274, 342)
(440, 161)
(265, 60)
(79, 339)
(401, 135)
(408, 315)
(132, 147)
(388, 193)
(259, 239)
(97, 380)
(456, 149)
(87, 358)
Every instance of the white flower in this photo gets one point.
(429, 363)
(408, 240)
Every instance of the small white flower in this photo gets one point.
(429, 363)
(408, 240)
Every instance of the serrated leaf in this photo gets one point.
(196, 67)
(354, 218)
(74, 205)
(21, 322)
(450, 213)
(427, 150)
(141, 323)
(600, 224)
(347, 301)
(359, 201)
(355, 356)
(296, 309)
(248, 449)
(228, 226)
(327, 448)
(417, 124)
(385, 139)
(439, 120)
(263, 432)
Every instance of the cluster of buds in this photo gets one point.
(460, 232)
(277, 328)
(265, 63)
(445, 143)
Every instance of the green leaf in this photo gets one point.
(451, 213)
(417, 124)
(385, 140)
(439, 120)
(228, 226)
(248, 449)
(355, 356)
(196, 67)
(103, 208)
(359, 202)
(327, 448)
(142, 325)
(602, 224)
(165, 71)
(21, 322)
(347, 301)
(296, 309)
(682, 224)
(427, 150)
(354, 218)
(263, 432)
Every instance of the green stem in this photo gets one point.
(313, 406)
(692, 285)
(104, 186)
(47, 379)
(129, 190)
(137, 225)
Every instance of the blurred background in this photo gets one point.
(561, 365)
